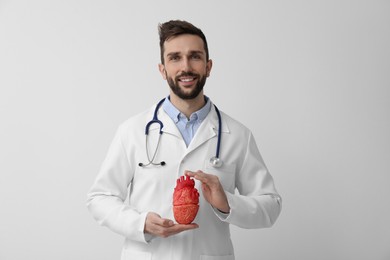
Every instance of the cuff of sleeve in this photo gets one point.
(222, 215)
(148, 237)
(144, 237)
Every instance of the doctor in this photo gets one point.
(239, 190)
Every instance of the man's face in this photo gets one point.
(185, 66)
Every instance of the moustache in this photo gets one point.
(187, 74)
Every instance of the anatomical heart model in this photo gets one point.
(185, 200)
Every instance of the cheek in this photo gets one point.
(169, 73)
(201, 69)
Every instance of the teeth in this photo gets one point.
(187, 79)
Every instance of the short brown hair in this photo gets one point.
(175, 28)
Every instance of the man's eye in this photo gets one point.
(174, 58)
(196, 56)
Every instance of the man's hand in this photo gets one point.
(212, 190)
(162, 227)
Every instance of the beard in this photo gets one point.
(174, 85)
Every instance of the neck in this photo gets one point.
(188, 106)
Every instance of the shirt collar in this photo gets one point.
(176, 115)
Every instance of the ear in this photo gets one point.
(162, 70)
(209, 65)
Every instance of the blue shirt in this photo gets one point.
(187, 127)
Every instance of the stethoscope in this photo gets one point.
(215, 161)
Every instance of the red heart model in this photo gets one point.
(185, 200)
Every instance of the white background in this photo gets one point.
(309, 78)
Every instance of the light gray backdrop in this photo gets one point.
(310, 78)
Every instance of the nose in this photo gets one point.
(186, 64)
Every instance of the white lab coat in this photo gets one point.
(256, 203)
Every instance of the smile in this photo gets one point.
(187, 79)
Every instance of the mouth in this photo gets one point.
(186, 79)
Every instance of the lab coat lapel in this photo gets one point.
(169, 126)
(207, 130)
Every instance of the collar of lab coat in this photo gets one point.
(207, 130)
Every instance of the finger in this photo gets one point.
(189, 173)
(188, 226)
(196, 175)
(175, 229)
(157, 220)
(204, 177)
(183, 227)
(165, 222)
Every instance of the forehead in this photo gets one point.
(184, 43)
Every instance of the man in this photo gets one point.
(146, 173)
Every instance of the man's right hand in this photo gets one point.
(162, 227)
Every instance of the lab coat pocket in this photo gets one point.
(128, 254)
(225, 174)
(218, 257)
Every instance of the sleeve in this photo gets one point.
(106, 198)
(257, 203)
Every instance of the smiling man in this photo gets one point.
(186, 134)
(185, 64)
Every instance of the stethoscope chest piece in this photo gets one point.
(215, 162)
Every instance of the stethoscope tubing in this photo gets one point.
(219, 131)
(215, 161)
(155, 119)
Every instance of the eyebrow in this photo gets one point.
(191, 53)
